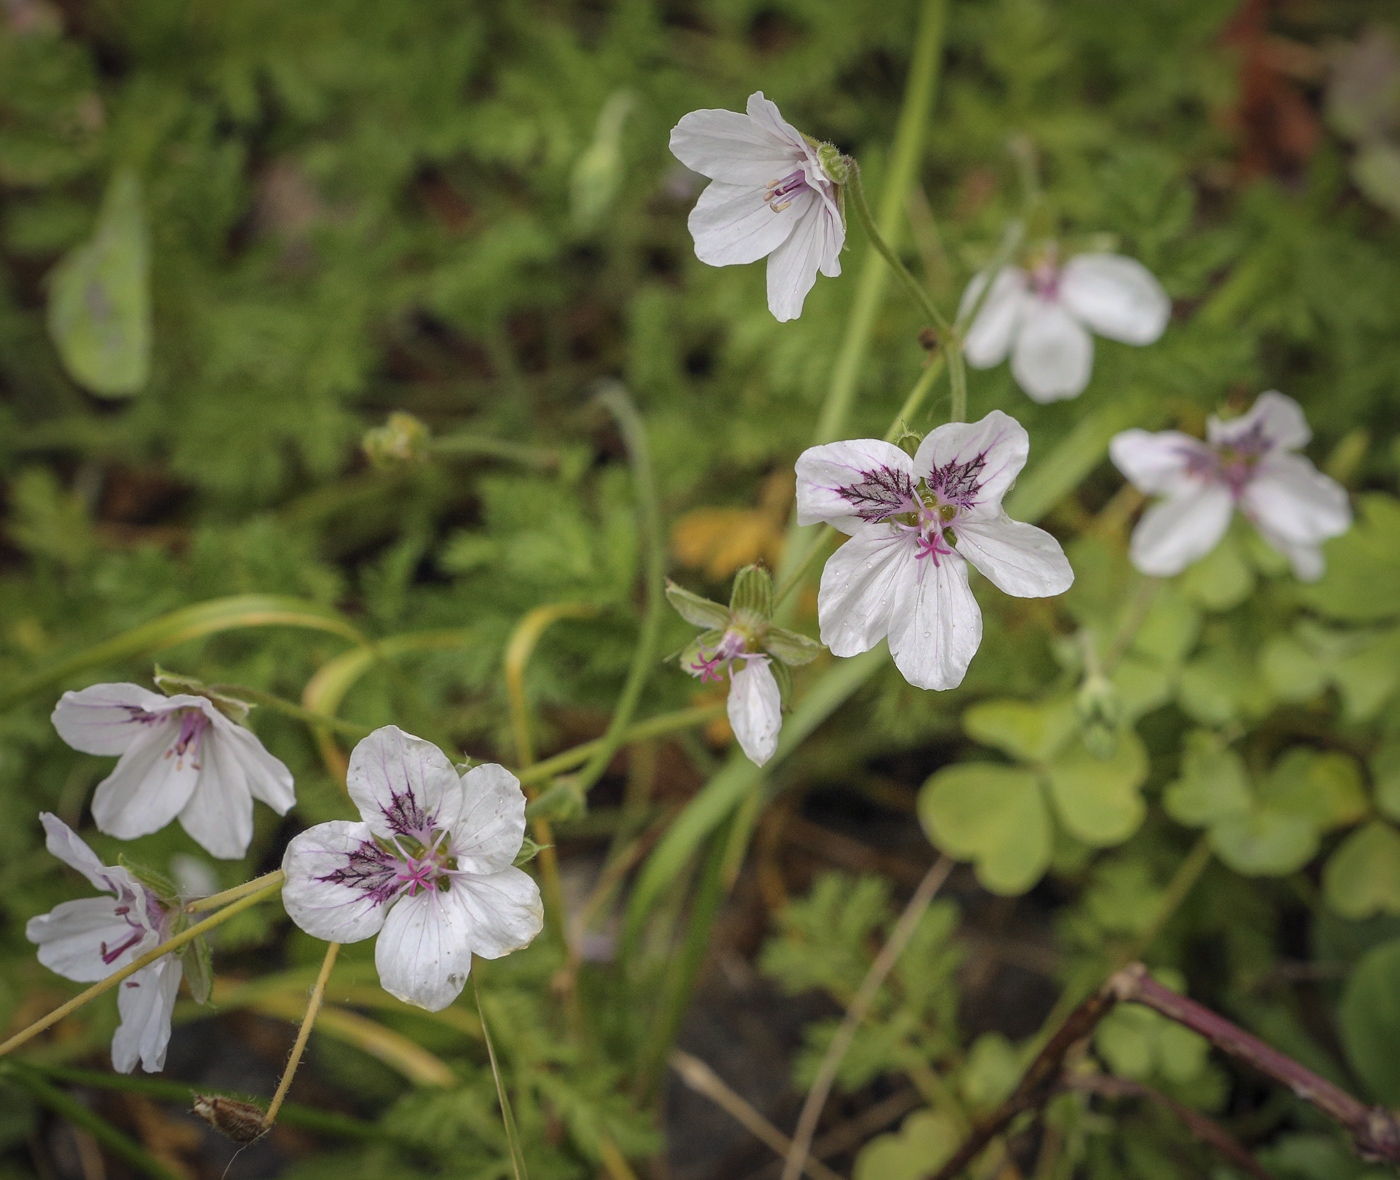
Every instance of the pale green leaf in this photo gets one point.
(1362, 877)
(1026, 730)
(1099, 799)
(993, 815)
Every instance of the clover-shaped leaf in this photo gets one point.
(1098, 799)
(1031, 731)
(1362, 877)
(992, 815)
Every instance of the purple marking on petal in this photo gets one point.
(369, 869)
(881, 493)
(957, 483)
(406, 818)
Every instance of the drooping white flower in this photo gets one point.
(769, 196)
(914, 524)
(180, 756)
(1042, 317)
(429, 869)
(88, 939)
(1246, 463)
(755, 706)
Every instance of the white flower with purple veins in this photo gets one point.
(914, 525)
(1247, 463)
(88, 939)
(770, 196)
(180, 757)
(1043, 317)
(755, 706)
(430, 868)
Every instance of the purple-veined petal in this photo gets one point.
(64, 843)
(732, 147)
(492, 827)
(938, 628)
(864, 583)
(403, 785)
(150, 784)
(1054, 353)
(845, 483)
(814, 244)
(340, 883)
(973, 464)
(989, 337)
(1274, 422)
(1117, 297)
(424, 952)
(107, 718)
(1181, 529)
(1017, 558)
(74, 937)
(219, 814)
(268, 777)
(733, 224)
(755, 709)
(504, 910)
(1159, 463)
(146, 1002)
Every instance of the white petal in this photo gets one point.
(73, 851)
(424, 952)
(219, 814)
(105, 719)
(989, 338)
(733, 224)
(1161, 462)
(974, 463)
(268, 777)
(74, 935)
(939, 627)
(1181, 529)
(1054, 355)
(492, 826)
(1278, 420)
(1016, 558)
(146, 1002)
(732, 147)
(765, 115)
(863, 584)
(340, 883)
(815, 244)
(504, 910)
(845, 483)
(149, 786)
(1116, 296)
(1294, 500)
(755, 709)
(403, 785)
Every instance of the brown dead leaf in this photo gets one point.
(722, 540)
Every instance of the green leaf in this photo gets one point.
(1362, 877)
(1170, 629)
(695, 610)
(1293, 672)
(100, 298)
(1213, 782)
(992, 1070)
(1221, 580)
(1369, 1018)
(1368, 677)
(993, 815)
(1221, 685)
(1265, 842)
(1362, 582)
(1028, 731)
(1324, 788)
(1385, 778)
(925, 1140)
(790, 647)
(1099, 799)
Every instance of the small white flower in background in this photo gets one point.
(914, 524)
(88, 939)
(430, 869)
(180, 757)
(770, 196)
(740, 640)
(1246, 463)
(1042, 317)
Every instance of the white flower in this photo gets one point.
(1246, 463)
(770, 196)
(903, 573)
(88, 939)
(180, 757)
(429, 869)
(755, 705)
(1042, 316)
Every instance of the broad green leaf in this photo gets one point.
(993, 815)
(1292, 671)
(1142, 684)
(1369, 677)
(1362, 582)
(991, 1072)
(1098, 799)
(1221, 685)
(1213, 782)
(1385, 778)
(1324, 788)
(1221, 580)
(100, 298)
(1369, 1018)
(924, 1141)
(1028, 731)
(1170, 629)
(1362, 877)
(1264, 842)
(696, 610)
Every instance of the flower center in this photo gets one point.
(193, 723)
(714, 660)
(422, 867)
(1045, 280)
(780, 193)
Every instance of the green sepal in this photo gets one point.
(173, 684)
(698, 611)
(198, 962)
(790, 647)
(561, 802)
(158, 883)
(783, 675)
(528, 851)
(751, 600)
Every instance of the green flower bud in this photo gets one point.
(402, 439)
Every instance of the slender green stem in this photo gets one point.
(662, 723)
(256, 696)
(797, 576)
(914, 402)
(313, 1006)
(957, 381)
(517, 1152)
(215, 900)
(1181, 884)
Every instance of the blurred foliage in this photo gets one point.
(236, 236)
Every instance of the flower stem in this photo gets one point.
(170, 944)
(256, 696)
(313, 1006)
(215, 900)
(517, 1153)
(651, 727)
(914, 402)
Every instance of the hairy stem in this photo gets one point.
(313, 1006)
(256, 696)
(215, 900)
(662, 723)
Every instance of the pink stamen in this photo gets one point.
(932, 546)
(193, 723)
(110, 956)
(420, 875)
(778, 195)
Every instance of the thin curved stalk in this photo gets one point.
(313, 1006)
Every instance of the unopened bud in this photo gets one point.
(240, 1121)
(1099, 711)
(833, 163)
(402, 439)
